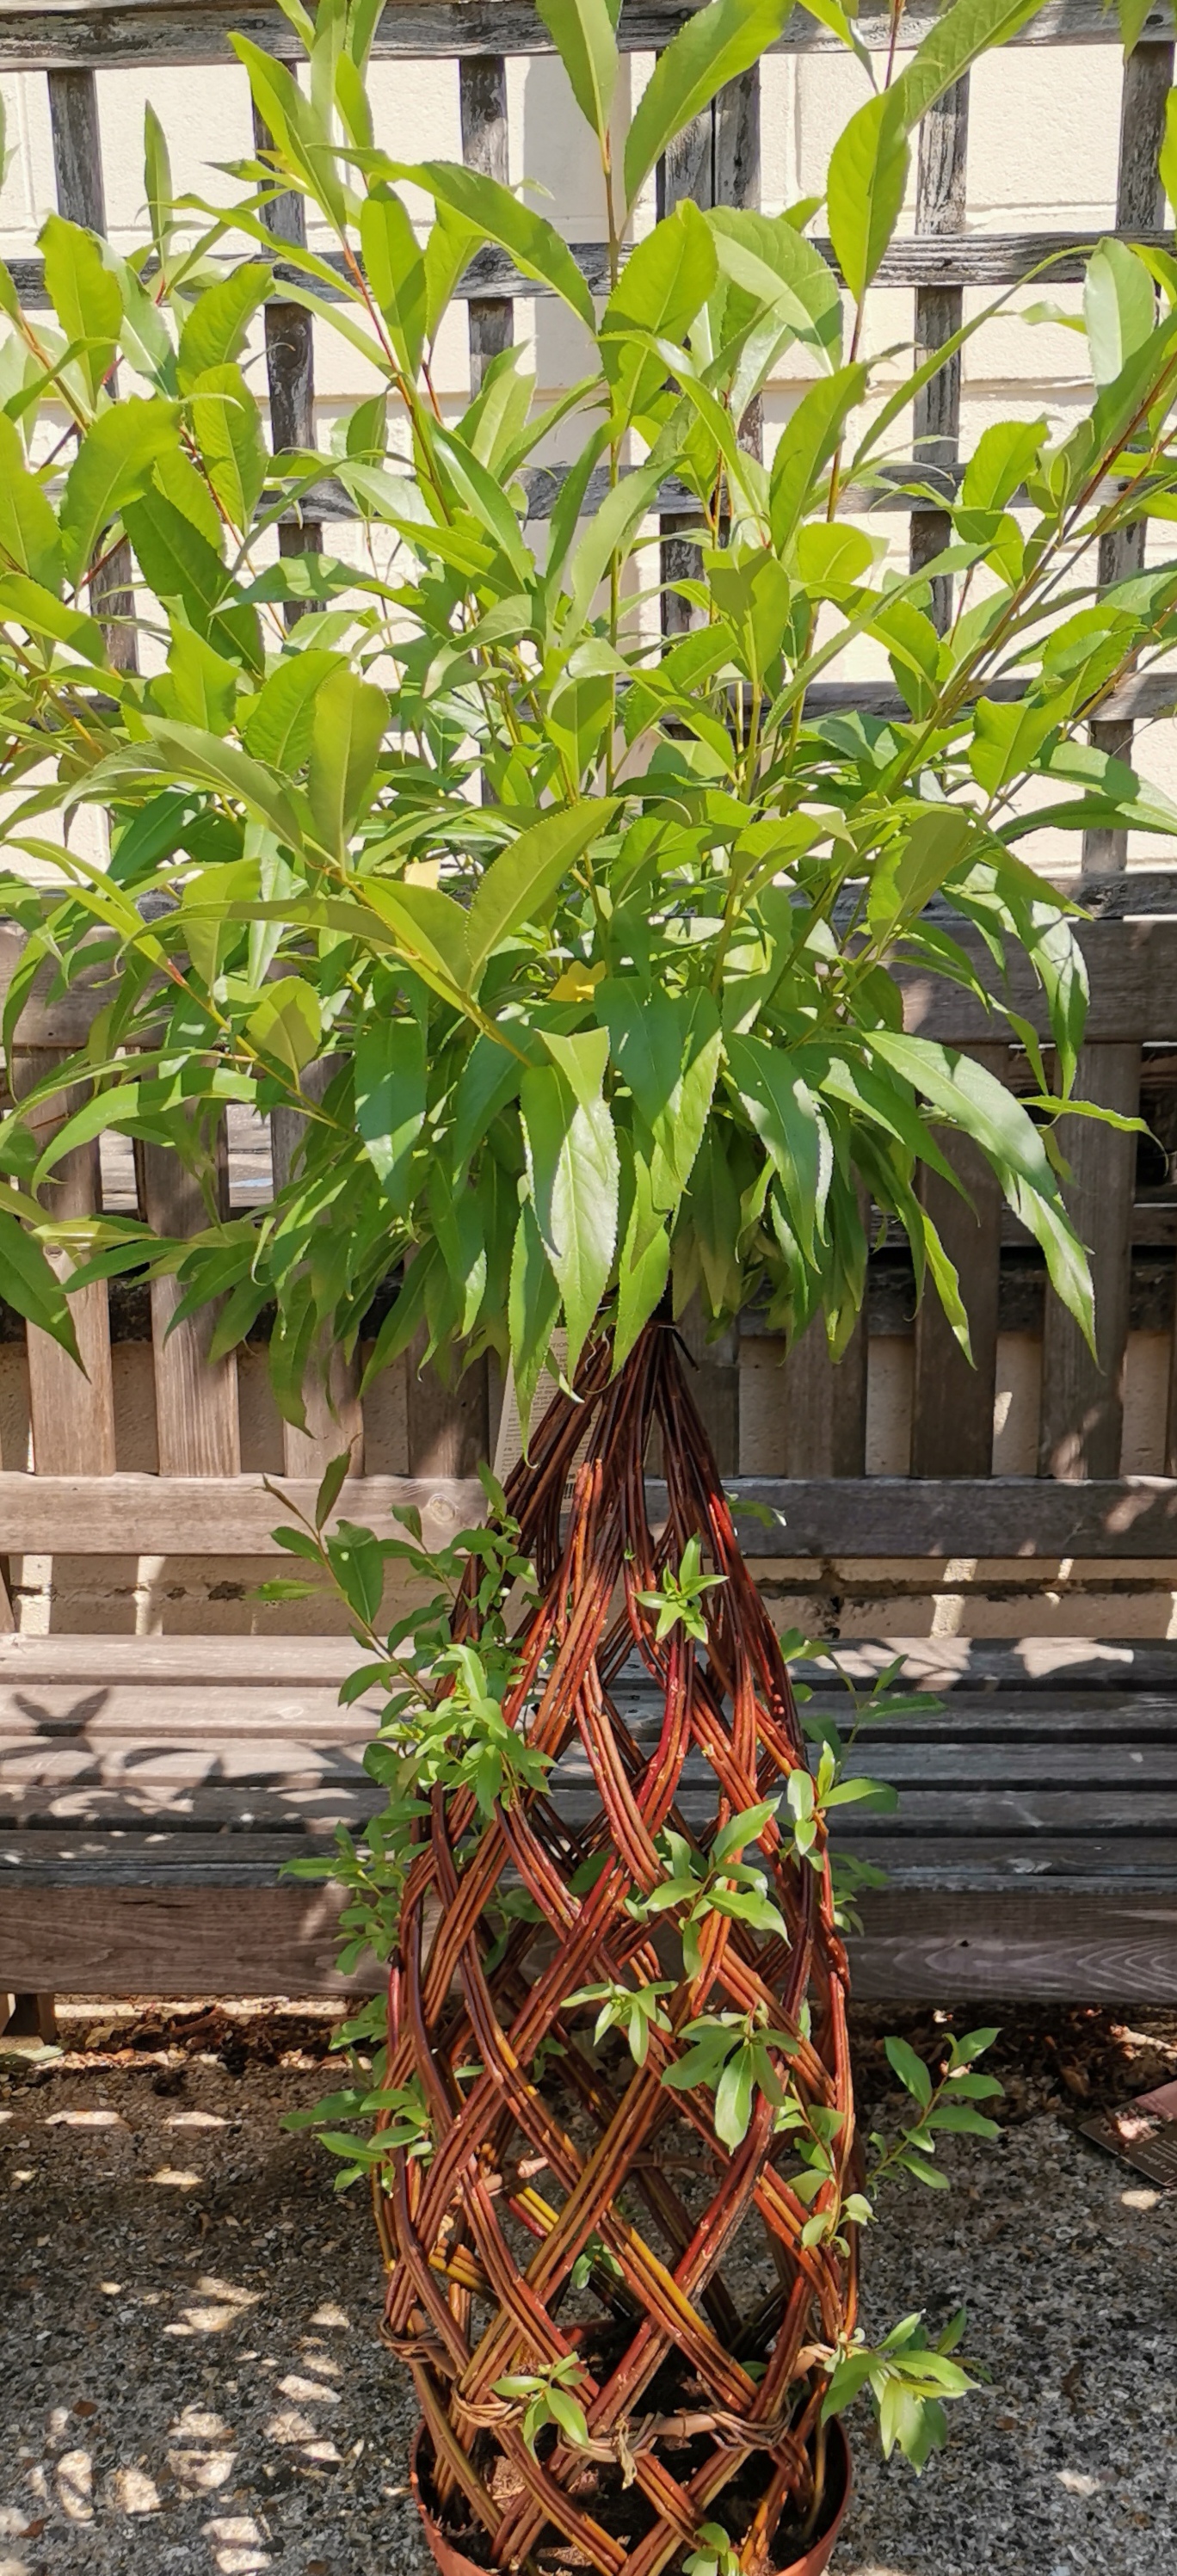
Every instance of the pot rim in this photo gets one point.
(452, 2561)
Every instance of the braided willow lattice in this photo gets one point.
(527, 2173)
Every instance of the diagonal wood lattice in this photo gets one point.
(699, 2400)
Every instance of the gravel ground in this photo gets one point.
(190, 2378)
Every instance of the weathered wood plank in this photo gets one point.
(1105, 1949)
(892, 1516)
(72, 1414)
(290, 371)
(35, 36)
(931, 262)
(194, 1664)
(1140, 200)
(201, 1515)
(824, 1408)
(1083, 1396)
(81, 196)
(486, 147)
(940, 210)
(952, 1415)
(196, 1418)
(715, 161)
(171, 1941)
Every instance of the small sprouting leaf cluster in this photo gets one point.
(633, 2009)
(946, 2107)
(405, 2126)
(719, 1881)
(442, 1724)
(733, 2054)
(679, 1596)
(714, 2554)
(547, 2397)
(910, 2377)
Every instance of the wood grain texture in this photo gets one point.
(1105, 1949)
(952, 1413)
(890, 1516)
(715, 161)
(37, 37)
(196, 1417)
(81, 196)
(180, 1940)
(940, 210)
(486, 147)
(1140, 200)
(202, 1515)
(1083, 1397)
(290, 372)
(72, 1413)
(824, 1414)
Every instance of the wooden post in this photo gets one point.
(72, 1415)
(1140, 205)
(952, 1412)
(290, 369)
(825, 1407)
(483, 79)
(196, 1418)
(1083, 1398)
(715, 161)
(81, 197)
(940, 208)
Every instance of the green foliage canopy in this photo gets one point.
(578, 951)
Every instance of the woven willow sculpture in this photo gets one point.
(689, 2398)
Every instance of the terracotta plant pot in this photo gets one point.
(453, 2562)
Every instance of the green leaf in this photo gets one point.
(784, 1112)
(771, 260)
(29, 541)
(157, 176)
(533, 1305)
(715, 46)
(667, 1048)
(574, 1176)
(607, 535)
(1119, 307)
(913, 869)
(866, 183)
(582, 32)
(287, 1023)
(84, 294)
(395, 271)
(910, 2069)
(644, 1262)
(390, 1100)
(198, 687)
(276, 725)
(522, 880)
(956, 39)
(347, 732)
(214, 334)
(497, 216)
(30, 1284)
(733, 2097)
(199, 758)
(226, 423)
(806, 445)
(112, 466)
(175, 557)
(1167, 159)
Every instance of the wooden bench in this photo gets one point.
(151, 1788)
